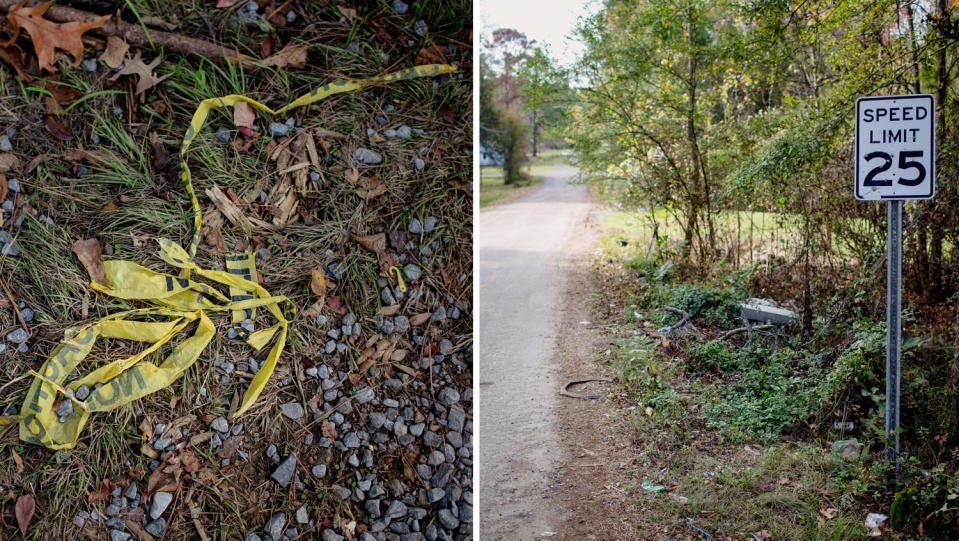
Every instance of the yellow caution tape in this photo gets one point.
(399, 277)
(180, 301)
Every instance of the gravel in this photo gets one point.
(5, 144)
(319, 471)
(274, 526)
(223, 134)
(367, 156)
(420, 28)
(220, 424)
(18, 336)
(278, 129)
(293, 410)
(400, 7)
(159, 504)
(156, 527)
(415, 227)
(418, 164)
(283, 473)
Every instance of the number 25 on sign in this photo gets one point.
(895, 147)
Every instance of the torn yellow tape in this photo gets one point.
(180, 302)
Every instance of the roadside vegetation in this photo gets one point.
(720, 133)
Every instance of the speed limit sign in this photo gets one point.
(896, 147)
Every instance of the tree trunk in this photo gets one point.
(698, 193)
(535, 131)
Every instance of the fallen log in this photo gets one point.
(135, 35)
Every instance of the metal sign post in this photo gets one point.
(895, 160)
(893, 334)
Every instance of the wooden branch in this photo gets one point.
(734, 332)
(135, 35)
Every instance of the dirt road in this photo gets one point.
(523, 250)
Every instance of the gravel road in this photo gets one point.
(523, 247)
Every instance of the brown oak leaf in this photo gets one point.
(48, 36)
(135, 66)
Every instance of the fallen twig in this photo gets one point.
(684, 321)
(566, 392)
(734, 332)
(136, 35)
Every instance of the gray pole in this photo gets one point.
(893, 336)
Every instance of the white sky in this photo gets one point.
(546, 21)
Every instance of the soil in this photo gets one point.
(552, 467)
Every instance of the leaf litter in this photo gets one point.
(323, 240)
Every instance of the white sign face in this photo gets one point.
(896, 147)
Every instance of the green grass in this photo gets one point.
(492, 189)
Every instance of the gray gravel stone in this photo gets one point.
(117, 535)
(223, 134)
(302, 517)
(434, 495)
(330, 535)
(403, 132)
(448, 519)
(293, 410)
(456, 418)
(65, 408)
(396, 509)
(420, 28)
(283, 473)
(319, 471)
(5, 144)
(418, 164)
(415, 227)
(27, 314)
(429, 223)
(274, 526)
(252, 536)
(220, 424)
(351, 440)
(278, 129)
(18, 336)
(402, 323)
(400, 6)
(89, 65)
(438, 315)
(159, 503)
(156, 527)
(367, 156)
(412, 272)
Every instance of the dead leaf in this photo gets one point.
(47, 36)
(329, 430)
(348, 13)
(89, 253)
(764, 535)
(8, 161)
(24, 511)
(225, 3)
(434, 54)
(293, 56)
(447, 114)
(229, 209)
(420, 319)
(318, 282)
(109, 206)
(267, 46)
(829, 512)
(135, 66)
(57, 129)
(115, 52)
(101, 493)
(389, 310)
(374, 243)
(243, 117)
(17, 460)
(14, 55)
(376, 188)
(337, 305)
